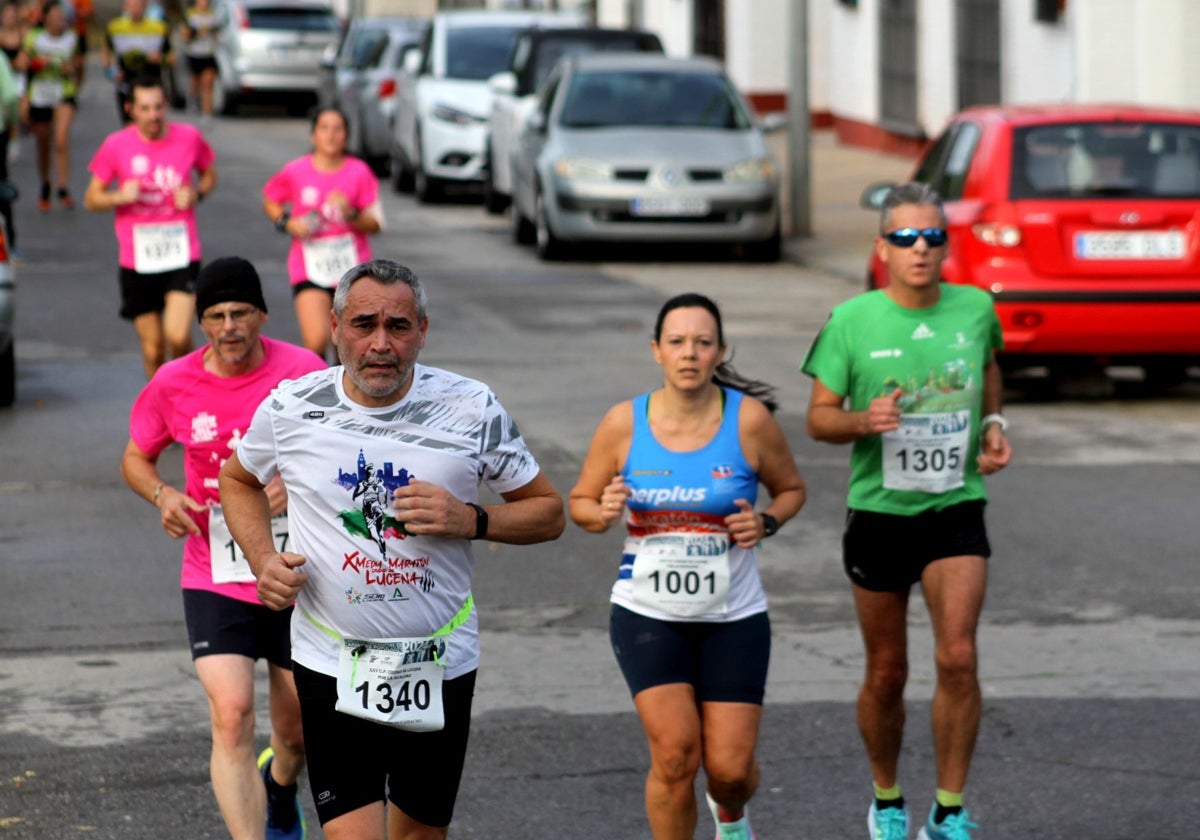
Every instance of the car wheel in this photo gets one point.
(8, 375)
(1165, 374)
(493, 202)
(224, 101)
(765, 250)
(522, 229)
(402, 176)
(549, 246)
(425, 186)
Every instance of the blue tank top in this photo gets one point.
(690, 492)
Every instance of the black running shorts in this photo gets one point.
(219, 624)
(143, 293)
(726, 662)
(884, 552)
(354, 762)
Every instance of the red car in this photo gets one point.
(1083, 221)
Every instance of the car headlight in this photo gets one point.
(582, 169)
(450, 114)
(754, 169)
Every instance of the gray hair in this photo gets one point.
(384, 272)
(914, 192)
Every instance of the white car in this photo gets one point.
(533, 57)
(444, 99)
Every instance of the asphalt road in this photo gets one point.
(1089, 640)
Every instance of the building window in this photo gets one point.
(1049, 11)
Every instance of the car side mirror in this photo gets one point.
(412, 62)
(503, 82)
(872, 197)
(772, 122)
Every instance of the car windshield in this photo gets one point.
(478, 52)
(677, 99)
(1125, 159)
(550, 50)
(290, 19)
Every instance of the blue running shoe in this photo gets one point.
(954, 827)
(285, 819)
(888, 823)
(739, 830)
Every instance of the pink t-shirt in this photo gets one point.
(207, 414)
(305, 188)
(161, 166)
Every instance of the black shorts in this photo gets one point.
(45, 115)
(142, 293)
(726, 662)
(354, 762)
(219, 624)
(884, 552)
(198, 64)
(297, 288)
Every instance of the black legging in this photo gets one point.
(6, 209)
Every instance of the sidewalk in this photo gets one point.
(842, 231)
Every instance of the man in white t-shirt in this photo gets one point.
(385, 638)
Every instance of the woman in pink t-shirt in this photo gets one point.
(328, 202)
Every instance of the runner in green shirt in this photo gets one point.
(908, 375)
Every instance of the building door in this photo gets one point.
(978, 48)
(709, 28)
(898, 65)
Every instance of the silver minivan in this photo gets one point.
(271, 47)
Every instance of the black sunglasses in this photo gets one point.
(907, 237)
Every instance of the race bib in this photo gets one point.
(160, 247)
(683, 574)
(229, 564)
(326, 260)
(396, 682)
(46, 93)
(927, 453)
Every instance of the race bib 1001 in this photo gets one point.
(683, 574)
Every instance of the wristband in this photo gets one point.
(481, 521)
(157, 492)
(281, 222)
(353, 215)
(998, 419)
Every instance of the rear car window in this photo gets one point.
(1120, 159)
(550, 50)
(292, 20)
(478, 52)
(652, 98)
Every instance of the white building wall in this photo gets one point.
(853, 82)
(758, 45)
(1037, 58)
(937, 85)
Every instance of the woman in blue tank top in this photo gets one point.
(681, 467)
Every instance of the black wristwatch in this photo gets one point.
(770, 524)
(481, 521)
(281, 222)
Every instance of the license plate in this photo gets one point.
(1155, 245)
(668, 206)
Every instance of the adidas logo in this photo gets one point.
(921, 332)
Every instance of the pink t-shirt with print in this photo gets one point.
(305, 188)
(207, 414)
(161, 167)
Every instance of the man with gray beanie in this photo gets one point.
(204, 401)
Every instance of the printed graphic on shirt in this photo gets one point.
(371, 491)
